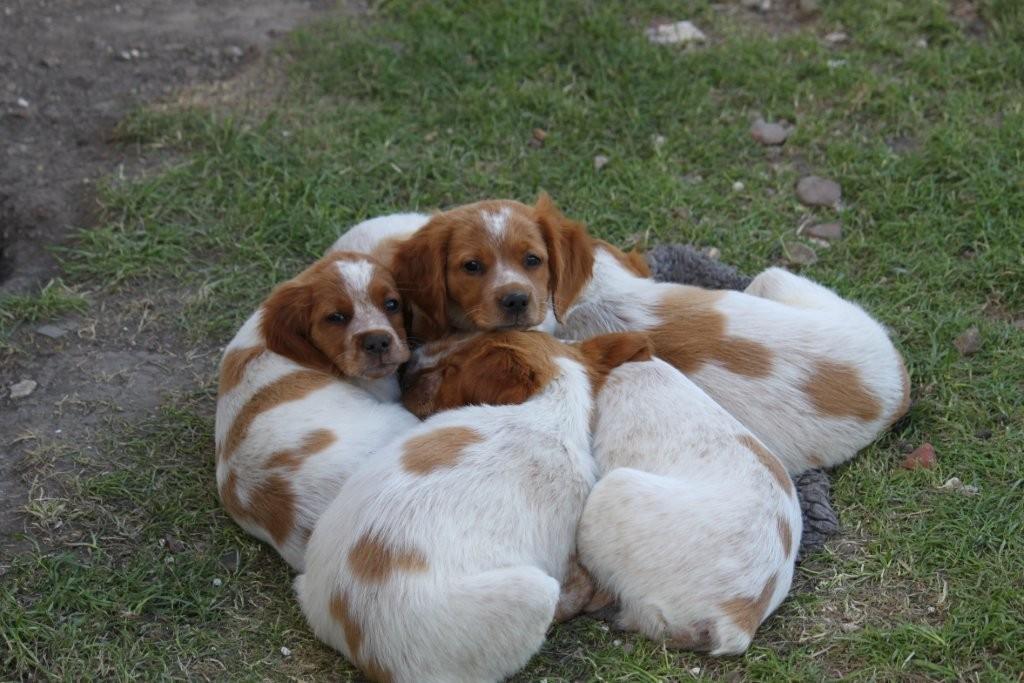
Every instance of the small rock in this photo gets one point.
(921, 43)
(600, 161)
(681, 32)
(124, 56)
(22, 102)
(695, 671)
(815, 191)
(50, 62)
(768, 133)
(51, 331)
(836, 37)
(983, 434)
(713, 253)
(134, 53)
(835, 63)
(969, 342)
(830, 232)
(230, 561)
(234, 51)
(798, 254)
(285, 652)
(540, 134)
(173, 544)
(922, 457)
(849, 627)
(217, 583)
(23, 388)
(954, 484)
(738, 186)
(658, 141)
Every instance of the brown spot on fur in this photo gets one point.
(437, 449)
(232, 366)
(349, 626)
(292, 387)
(693, 333)
(577, 591)
(785, 535)
(375, 672)
(633, 260)
(770, 462)
(815, 461)
(373, 561)
(836, 390)
(700, 638)
(271, 505)
(748, 613)
(314, 442)
(604, 353)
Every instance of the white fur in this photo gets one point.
(365, 237)
(799, 321)
(363, 415)
(496, 530)
(685, 517)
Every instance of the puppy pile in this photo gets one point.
(568, 435)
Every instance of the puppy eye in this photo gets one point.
(473, 266)
(531, 261)
(391, 305)
(337, 317)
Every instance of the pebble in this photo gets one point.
(217, 583)
(830, 232)
(234, 51)
(600, 161)
(768, 133)
(51, 331)
(285, 652)
(816, 191)
(836, 37)
(922, 457)
(969, 342)
(681, 32)
(798, 254)
(738, 186)
(713, 253)
(173, 544)
(23, 388)
(954, 484)
(540, 134)
(22, 102)
(230, 560)
(658, 141)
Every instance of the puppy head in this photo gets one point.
(342, 314)
(494, 265)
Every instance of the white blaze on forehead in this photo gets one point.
(357, 276)
(496, 221)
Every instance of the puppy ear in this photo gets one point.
(570, 254)
(505, 375)
(286, 323)
(608, 351)
(419, 265)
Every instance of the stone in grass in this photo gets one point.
(23, 389)
(830, 232)
(953, 484)
(679, 33)
(798, 254)
(816, 191)
(600, 161)
(230, 560)
(969, 342)
(922, 457)
(768, 133)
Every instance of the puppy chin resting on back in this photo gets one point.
(414, 573)
(307, 393)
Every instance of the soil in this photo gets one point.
(71, 69)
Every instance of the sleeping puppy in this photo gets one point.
(307, 393)
(811, 374)
(694, 524)
(442, 558)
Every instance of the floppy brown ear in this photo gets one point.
(608, 351)
(570, 254)
(286, 323)
(505, 376)
(419, 265)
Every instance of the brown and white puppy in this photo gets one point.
(307, 393)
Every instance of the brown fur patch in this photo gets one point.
(437, 449)
(836, 390)
(292, 387)
(232, 366)
(785, 535)
(577, 591)
(815, 461)
(349, 625)
(314, 442)
(376, 673)
(699, 638)
(769, 461)
(373, 561)
(271, 505)
(693, 333)
(633, 260)
(605, 352)
(748, 613)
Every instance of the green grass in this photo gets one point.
(53, 300)
(424, 106)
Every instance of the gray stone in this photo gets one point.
(969, 342)
(830, 232)
(768, 133)
(799, 254)
(51, 331)
(816, 191)
(23, 388)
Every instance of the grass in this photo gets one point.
(425, 105)
(53, 300)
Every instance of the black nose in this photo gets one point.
(376, 343)
(515, 302)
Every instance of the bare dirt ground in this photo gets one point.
(71, 69)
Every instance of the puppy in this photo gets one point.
(811, 374)
(307, 393)
(441, 559)
(694, 524)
